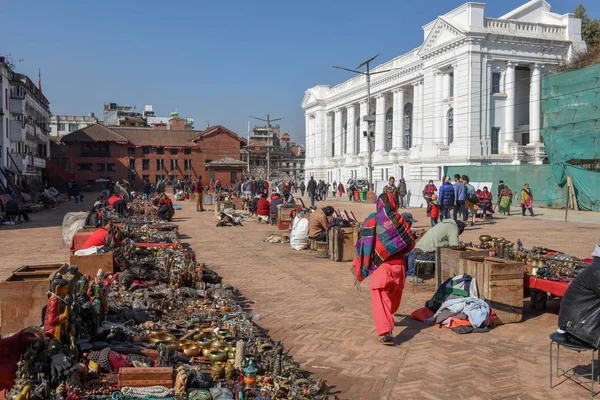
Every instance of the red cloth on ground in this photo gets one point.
(11, 350)
(97, 239)
(263, 207)
(387, 284)
(112, 200)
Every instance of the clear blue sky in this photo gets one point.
(216, 61)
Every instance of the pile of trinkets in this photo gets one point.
(163, 327)
(540, 261)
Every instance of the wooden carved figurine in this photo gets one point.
(57, 312)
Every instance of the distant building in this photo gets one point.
(270, 156)
(164, 123)
(117, 115)
(97, 153)
(24, 126)
(61, 125)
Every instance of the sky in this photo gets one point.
(218, 62)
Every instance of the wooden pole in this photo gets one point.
(567, 206)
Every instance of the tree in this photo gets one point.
(590, 28)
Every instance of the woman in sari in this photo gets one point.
(526, 200)
(384, 241)
(505, 200)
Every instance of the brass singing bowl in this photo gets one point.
(192, 350)
(485, 238)
(217, 356)
(169, 344)
(156, 337)
(218, 345)
(183, 343)
(267, 347)
(223, 333)
(231, 354)
(230, 341)
(205, 343)
(206, 351)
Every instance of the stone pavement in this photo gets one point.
(312, 306)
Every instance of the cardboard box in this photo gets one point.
(89, 265)
(23, 295)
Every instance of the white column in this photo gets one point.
(380, 123)
(350, 123)
(417, 114)
(535, 112)
(509, 112)
(330, 135)
(438, 96)
(398, 123)
(364, 127)
(338, 133)
(308, 136)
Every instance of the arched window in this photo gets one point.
(357, 135)
(408, 110)
(450, 122)
(389, 124)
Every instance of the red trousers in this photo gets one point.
(387, 284)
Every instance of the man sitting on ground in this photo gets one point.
(317, 223)
(164, 210)
(12, 209)
(263, 208)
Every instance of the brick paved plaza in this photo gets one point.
(312, 306)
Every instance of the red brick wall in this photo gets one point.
(177, 124)
(209, 148)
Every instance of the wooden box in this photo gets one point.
(500, 283)
(221, 206)
(342, 243)
(23, 295)
(238, 203)
(143, 377)
(450, 260)
(284, 213)
(89, 265)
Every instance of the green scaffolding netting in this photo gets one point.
(571, 130)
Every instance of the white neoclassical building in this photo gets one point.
(469, 95)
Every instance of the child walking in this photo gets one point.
(433, 210)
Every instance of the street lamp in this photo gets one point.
(370, 119)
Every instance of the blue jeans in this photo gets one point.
(311, 196)
(445, 212)
(76, 197)
(410, 263)
(460, 210)
(434, 221)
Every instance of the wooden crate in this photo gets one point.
(342, 243)
(450, 260)
(89, 265)
(284, 213)
(143, 377)
(503, 289)
(500, 283)
(238, 203)
(23, 295)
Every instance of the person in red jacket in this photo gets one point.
(263, 208)
(433, 210)
(98, 237)
(169, 202)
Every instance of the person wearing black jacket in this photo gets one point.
(164, 211)
(311, 188)
(12, 209)
(579, 319)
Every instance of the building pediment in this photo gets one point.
(441, 33)
(308, 98)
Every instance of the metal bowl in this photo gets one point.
(156, 337)
(485, 238)
(192, 350)
(224, 333)
(183, 343)
(217, 356)
(171, 345)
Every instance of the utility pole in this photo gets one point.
(270, 136)
(370, 119)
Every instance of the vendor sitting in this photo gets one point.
(275, 201)
(578, 319)
(164, 210)
(444, 234)
(263, 208)
(13, 209)
(98, 238)
(118, 204)
(317, 223)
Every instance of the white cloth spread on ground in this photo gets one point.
(476, 309)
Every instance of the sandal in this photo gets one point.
(387, 339)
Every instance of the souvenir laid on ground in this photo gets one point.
(163, 327)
